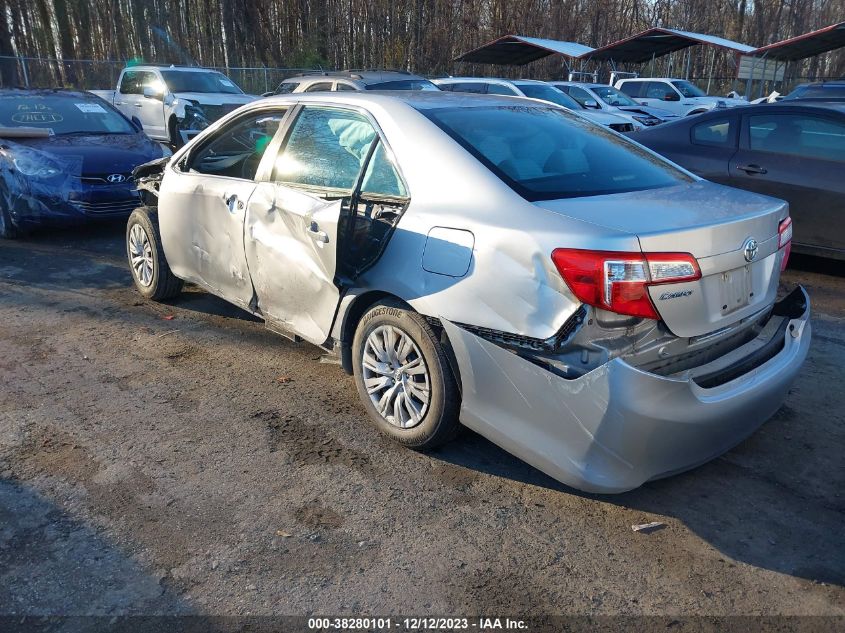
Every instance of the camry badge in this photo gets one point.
(749, 249)
(115, 178)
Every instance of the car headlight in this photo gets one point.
(29, 166)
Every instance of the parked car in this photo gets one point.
(535, 90)
(819, 91)
(66, 156)
(676, 95)
(353, 80)
(791, 150)
(585, 304)
(609, 99)
(174, 103)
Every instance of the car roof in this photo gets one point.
(364, 76)
(389, 99)
(47, 92)
(486, 79)
(181, 69)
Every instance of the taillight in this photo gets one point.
(619, 282)
(785, 241)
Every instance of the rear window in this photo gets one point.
(547, 93)
(404, 84)
(818, 92)
(546, 154)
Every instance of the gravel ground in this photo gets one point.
(181, 459)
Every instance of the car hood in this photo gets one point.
(659, 113)
(99, 153)
(714, 101)
(672, 218)
(215, 98)
(603, 118)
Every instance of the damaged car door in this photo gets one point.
(293, 218)
(203, 209)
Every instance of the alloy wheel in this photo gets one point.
(141, 255)
(396, 376)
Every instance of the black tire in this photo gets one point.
(8, 229)
(439, 423)
(163, 284)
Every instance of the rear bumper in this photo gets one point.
(617, 427)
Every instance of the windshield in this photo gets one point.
(62, 114)
(612, 96)
(199, 81)
(688, 90)
(404, 84)
(546, 154)
(547, 93)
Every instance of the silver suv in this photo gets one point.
(353, 80)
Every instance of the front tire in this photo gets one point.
(404, 378)
(150, 271)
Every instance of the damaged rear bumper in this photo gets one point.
(617, 426)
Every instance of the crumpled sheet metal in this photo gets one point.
(29, 198)
(616, 427)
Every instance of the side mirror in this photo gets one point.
(137, 123)
(591, 103)
(152, 93)
(671, 96)
(267, 94)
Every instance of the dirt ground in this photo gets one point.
(182, 459)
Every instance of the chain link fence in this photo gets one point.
(89, 74)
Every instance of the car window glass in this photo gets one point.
(326, 149)
(714, 132)
(658, 90)
(343, 86)
(287, 87)
(381, 177)
(632, 88)
(129, 83)
(801, 135)
(322, 86)
(499, 89)
(237, 149)
(548, 153)
(580, 95)
(62, 113)
(475, 87)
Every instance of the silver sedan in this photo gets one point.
(492, 262)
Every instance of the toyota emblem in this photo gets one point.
(115, 178)
(749, 249)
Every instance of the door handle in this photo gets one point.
(317, 234)
(752, 169)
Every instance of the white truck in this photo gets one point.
(675, 95)
(174, 103)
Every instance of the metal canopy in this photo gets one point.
(657, 42)
(516, 50)
(807, 45)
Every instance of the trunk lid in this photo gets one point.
(712, 223)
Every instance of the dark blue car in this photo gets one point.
(66, 157)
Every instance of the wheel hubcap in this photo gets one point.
(141, 255)
(396, 376)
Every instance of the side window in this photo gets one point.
(237, 150)
(344, 86)
(801, 135)
(499, 89)
(381, 177)
(658, 90)
(446, 87)
(718, 132)
(467, 86)
(323, 86)
(632, 88)
(287, 87)
(579, 94)
(129, 83)
(146, 79)
(326, 148)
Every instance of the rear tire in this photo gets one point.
(150, 271)
(404, 377)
